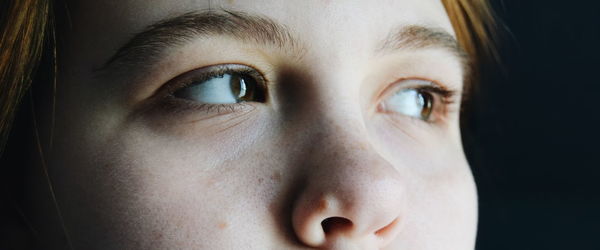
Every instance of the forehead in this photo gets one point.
(345, 25)
(311, 12)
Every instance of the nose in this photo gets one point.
(352, 197)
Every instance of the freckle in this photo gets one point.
(323, 205)
(210, 182)
(260, 180)
(274, 208)
(276, 176)
(223, 225)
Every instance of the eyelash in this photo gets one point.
(179, 105)
(447, 96)
(446, 99)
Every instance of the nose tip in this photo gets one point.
(326, 228)
(351, 196)
(360, 204)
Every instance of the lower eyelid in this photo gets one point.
(179, 106)
(441, 112)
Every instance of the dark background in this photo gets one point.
(534, 143)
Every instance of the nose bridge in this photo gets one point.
(347, 153)
(350, 171)
(348, 181)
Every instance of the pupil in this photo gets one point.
(242, 88)
(245, 88)
(425, 101)
(239, 87)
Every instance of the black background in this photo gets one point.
(534, 141)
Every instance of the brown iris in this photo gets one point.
(425, 100)
(246, 89)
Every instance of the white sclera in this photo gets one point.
(216, 90)
(407, 101)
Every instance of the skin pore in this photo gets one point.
(261, 125)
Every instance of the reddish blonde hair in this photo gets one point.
(475, 25)
(23, 27)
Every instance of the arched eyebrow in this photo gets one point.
(148, 47)
(422, 37)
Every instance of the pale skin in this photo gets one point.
(331, 157)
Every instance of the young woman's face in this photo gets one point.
(261, 125)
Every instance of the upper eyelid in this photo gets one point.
(221, 68)
(433, 85)
(184, 79)
(262, 75)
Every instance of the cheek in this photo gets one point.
(175, 185)
(415, 146)
(140, 187)
(455, 209)
(442, 198)
(442, 208)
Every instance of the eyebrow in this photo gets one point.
(150, 46)
(421, 37)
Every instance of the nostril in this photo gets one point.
(336, 224)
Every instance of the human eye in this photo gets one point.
(220, 88)
(222, 84)
(420, 99)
